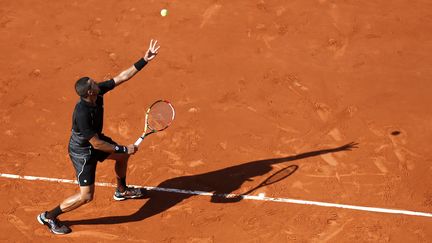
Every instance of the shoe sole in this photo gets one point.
(119, 198)
(124, 198)
(39, 219)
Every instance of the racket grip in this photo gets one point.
(138, 141)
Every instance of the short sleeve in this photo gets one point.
(106, 86)
(84, 124)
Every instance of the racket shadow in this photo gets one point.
(223, 181)
(274, 178)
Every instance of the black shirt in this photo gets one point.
(87, 119)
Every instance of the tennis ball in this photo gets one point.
(164, 12)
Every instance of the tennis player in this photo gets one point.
(88, 145)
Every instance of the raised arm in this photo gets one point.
(130, 72)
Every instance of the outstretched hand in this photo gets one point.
(349, 146)
(152, 50)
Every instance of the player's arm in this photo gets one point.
(83, 122)
(134, 69)
(99, 144)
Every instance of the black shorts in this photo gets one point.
(85, 163)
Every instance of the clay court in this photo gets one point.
(257, 85)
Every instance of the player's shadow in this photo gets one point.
(223, 181)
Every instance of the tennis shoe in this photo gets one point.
(129, 193)
(54, 225)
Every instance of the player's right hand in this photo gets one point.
(132, 149)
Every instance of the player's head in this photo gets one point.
(86, 86)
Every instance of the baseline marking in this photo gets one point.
(247, 197)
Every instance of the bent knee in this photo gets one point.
(86, 198)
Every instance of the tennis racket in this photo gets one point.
(276, 177)
(158, 117)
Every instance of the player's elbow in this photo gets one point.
(123, 76)
(96, 142)
(97, 145)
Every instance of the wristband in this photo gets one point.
(140, 64)
(120, 149)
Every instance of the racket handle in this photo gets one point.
(138, 141)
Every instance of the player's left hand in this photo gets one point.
(152, 51)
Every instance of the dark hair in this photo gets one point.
(82, 85)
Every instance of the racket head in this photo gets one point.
(277, 176)
(280, 175)
(159, 116)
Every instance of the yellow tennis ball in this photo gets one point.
(164, 12)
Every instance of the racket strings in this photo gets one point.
(160, 116)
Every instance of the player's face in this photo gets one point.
(94, 88)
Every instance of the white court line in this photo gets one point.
(247, 197)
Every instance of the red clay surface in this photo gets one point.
(250, 80)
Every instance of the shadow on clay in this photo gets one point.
(223, 181)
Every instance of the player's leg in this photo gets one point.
(123, 191)
(75, 201)
(85, 168)
(50, 219)
(120, 169)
